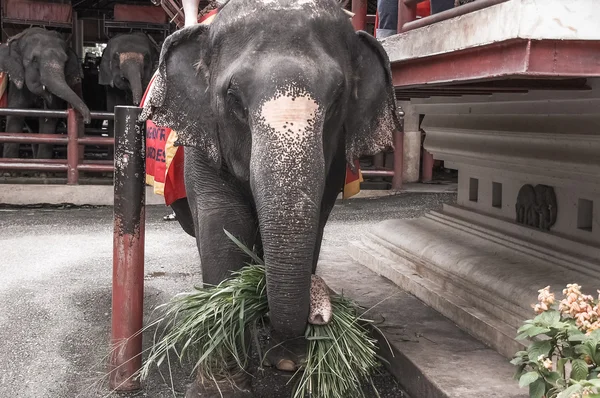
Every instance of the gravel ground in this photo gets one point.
(56, 288)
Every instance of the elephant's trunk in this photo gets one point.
(133, 73)
(53, 77)
(287, 175)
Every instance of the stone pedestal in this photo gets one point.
(472, 261)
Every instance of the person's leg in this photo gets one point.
(190, 10)
(441, 5)
(388, 18)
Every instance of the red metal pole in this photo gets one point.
(359, 20)
(407, 12)
(72, 147)
(128, 250)
(427, 166)
(398, 158)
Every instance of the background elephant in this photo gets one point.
(42, 70)
(546, 206)
(271, 108)
(127, 65)
(526, 206)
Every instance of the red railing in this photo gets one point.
(407, 13)
(74, 140)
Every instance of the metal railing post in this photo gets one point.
(359, 8)
(398, 159)
(72, 147)
(128, 249)
(427, 170)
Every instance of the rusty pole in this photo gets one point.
(128, 250)
(427, 171)
(359, 20)
(72, 147)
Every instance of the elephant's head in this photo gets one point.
(41, 60)
(128, 62)
(272, 91)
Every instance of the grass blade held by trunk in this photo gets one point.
(208, 326)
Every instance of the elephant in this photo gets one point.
(127, 65)
(546, 206)
(43, 72)
(526, 206)
(271, 102)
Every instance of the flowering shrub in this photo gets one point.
(563, 360)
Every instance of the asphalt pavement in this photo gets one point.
(55, 288)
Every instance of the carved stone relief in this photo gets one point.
(536, 206)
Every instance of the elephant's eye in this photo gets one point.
(236, 105)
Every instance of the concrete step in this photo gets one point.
(431, 356)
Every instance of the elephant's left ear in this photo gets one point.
(372, 116)
(10, 62)
(179, 96)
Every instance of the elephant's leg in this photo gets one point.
(14, 124)
(183, 213)
(217, 202)
(47, 126)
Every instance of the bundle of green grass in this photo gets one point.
(209, 326)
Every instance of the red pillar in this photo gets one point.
(398, 159)
(427, 170)
(407, 12)
(359, 20)
(128, 250)
(73, 122)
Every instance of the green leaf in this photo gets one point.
(583, 349)
(536, 330)
(548, 318)
(570, 391)
(580, 370)
(577, 337)
(525, 327)
(560, 366)
(519, 372)
(539, 348)
(594, 382)
(552, 377)
(537, 389)
(528, 378)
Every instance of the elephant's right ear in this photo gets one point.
(10, 62)
(104, 70)
(179, 96)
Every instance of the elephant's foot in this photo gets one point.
(288, 355)
(239, 386)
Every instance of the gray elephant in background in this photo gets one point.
(127, 65)
(271, 108)
(43, 72)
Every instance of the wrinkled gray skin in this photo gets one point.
(271, 101)
(42, 70)
(127, 65)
